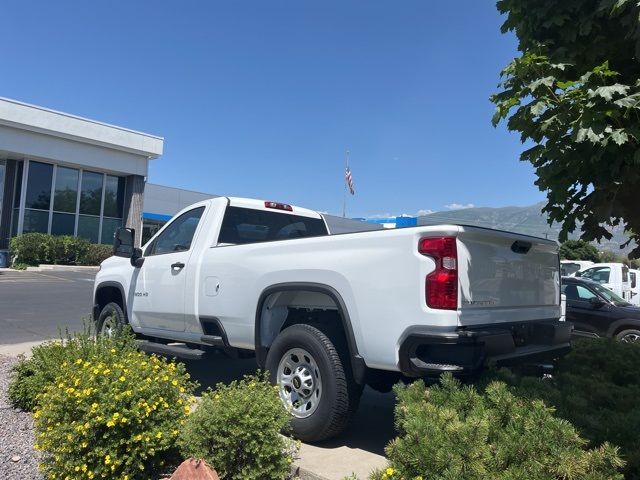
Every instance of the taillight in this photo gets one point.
(279, 206)
(441, 286)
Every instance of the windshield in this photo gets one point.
(609, 295)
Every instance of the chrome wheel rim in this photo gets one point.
(108, 326)
(300, 383)
(631, 338)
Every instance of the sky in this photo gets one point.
(262, 99)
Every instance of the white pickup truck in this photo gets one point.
(328, 314)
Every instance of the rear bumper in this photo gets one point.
(467, 350)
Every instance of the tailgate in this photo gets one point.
(507, 277)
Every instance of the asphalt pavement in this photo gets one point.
(37, 306)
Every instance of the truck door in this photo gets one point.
(159, 297)
(586, 317)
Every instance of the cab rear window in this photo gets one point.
(245, 225)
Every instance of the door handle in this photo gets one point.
(177, 265)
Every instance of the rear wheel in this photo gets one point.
(111, 319)
(630, 335)
(313, 382)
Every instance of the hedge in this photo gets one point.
(39, 248)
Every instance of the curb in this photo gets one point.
(62, 268)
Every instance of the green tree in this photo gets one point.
(579, 250)
(573, 94)
(607, 256)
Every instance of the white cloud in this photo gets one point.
(424, 211)
(459, 206)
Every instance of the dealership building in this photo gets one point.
(67, 175)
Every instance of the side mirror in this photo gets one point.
(123, 242)
(596, 302)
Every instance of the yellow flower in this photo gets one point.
(110, 423)
(116, 415)
(78, 361)
(122, 378)
(159, 435)
(107, 460)
(113, 350)
(389, 471)
(187, 410)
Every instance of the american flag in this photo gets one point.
(349, 178)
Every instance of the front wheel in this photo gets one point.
(313, 383)
(631, 335)
(111, 318)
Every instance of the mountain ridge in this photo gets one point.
(529, 220)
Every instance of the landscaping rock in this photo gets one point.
(18, 459)
(193, 469)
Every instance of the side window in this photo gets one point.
(625, 274)
(178, 235)
(585, 294)
(597, 274)
(577, 293)
(246, 225)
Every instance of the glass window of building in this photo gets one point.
(2, 175)
(113, 197)
(88, 228)
(16, 199)
(65, 196)
(39, 186)
(38, 198)
(91, 193)
(113, 207)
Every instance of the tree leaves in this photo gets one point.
(608, 91)
(574, 92)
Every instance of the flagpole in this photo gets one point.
(344, 199)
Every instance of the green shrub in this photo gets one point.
(451, 431)
(29, 249)
(96, 254)
(66, 250)
(30, 376)
(40, 248)
(236, 429)
(113, 415)
(597, 388)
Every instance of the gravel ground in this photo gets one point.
(18, 459)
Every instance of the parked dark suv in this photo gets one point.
(596, 311)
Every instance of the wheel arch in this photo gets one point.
(357, 362)
(622, 324)
(106, 292)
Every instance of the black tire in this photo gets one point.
(629, 335)
(111, 317)
(339, 395)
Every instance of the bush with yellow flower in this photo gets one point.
(116, 415)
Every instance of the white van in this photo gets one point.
(634, 280)
(570, 267)
(614, 276)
